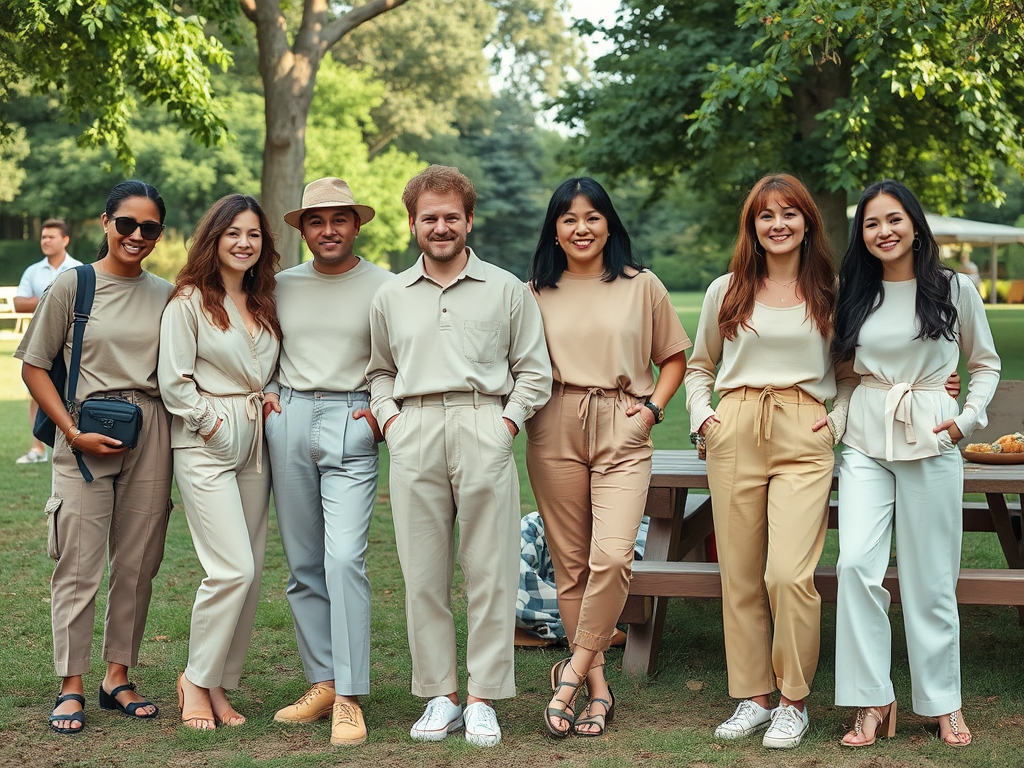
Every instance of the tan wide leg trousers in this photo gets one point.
(770, 476)
(590, 466)
(123, 511)
(451, 460)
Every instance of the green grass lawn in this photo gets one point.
(666, 720)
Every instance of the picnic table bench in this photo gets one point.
(680, 523)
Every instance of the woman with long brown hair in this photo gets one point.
(219, 342)
(764, 343)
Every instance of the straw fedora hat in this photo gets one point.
(328, 193)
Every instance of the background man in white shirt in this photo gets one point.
(37, 278)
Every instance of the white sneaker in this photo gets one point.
(32, 457)
(481, 725)
(440, 718)
(748, 718)
(788, 727)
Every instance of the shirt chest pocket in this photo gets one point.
(480, 341)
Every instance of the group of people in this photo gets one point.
(250, 379)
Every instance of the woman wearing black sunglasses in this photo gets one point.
(126, 506)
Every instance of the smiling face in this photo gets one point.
(582, 232)
(780, 228)
(441, 225)
(126, 252)
(889, 236)
(330, 234)
(240, 245)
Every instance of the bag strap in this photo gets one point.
(83, 307)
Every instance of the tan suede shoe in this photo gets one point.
(347, 724)
(314, 704)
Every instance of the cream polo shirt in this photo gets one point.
(122, 337)
(606, 334)
(901, 397)
(782, 349)
(483, 333)
(198, 360)
(325, 320)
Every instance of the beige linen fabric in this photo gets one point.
(783, 349)
(120, 347)
(207, 373)
(307, 303)
(608, 334)
(483, 333)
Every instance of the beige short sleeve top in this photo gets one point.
(608, 334)
(122, 337)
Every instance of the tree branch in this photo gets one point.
(248, 9)
(341, 26)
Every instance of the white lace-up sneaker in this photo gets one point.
(788, 727)
(440, 718)
(748, 718)
(481, 725)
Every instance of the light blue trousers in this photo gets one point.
(325, 485)
(924, 500)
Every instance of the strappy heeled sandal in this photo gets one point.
(885, 724)
(193, 717)
(602, 721)
(955, 720)
(566, 714)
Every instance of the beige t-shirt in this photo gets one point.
(325, 320)
(783, 349)
(122, 336)
(902, 397)
(607, 334)
(483, 333)
(197, 359)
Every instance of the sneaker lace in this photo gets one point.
(435, 714)
(345, 713)
(786, 720)
(744, 712)
(308, 696)
(485, 719)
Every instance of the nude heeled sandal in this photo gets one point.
(885, 724)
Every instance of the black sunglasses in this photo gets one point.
(126, 225)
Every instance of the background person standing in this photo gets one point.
(53, 242)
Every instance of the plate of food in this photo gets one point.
(1008, 449)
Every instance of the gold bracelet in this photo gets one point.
(78, 434)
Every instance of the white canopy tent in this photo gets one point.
(948, 229)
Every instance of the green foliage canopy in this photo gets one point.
(104, 55)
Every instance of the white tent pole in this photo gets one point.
(993, 297)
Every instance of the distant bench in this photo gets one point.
(7, 311)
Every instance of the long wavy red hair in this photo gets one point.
(817, 274)
(202, 270)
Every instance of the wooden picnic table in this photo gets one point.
(679, 524)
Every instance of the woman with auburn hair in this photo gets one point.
(764, 344)
(219, 341)
(607, 322)
(902, 320)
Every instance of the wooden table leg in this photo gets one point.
(1009, 536)
(643, 641)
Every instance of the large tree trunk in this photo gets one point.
(284, 158)
(819, 89)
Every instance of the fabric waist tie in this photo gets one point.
(583, 409)
(253, 412)
(898, 407)
(768, 400)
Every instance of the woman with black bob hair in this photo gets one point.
(903, 319)
(125, 508)
(607, 323)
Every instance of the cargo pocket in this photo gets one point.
(51, 510)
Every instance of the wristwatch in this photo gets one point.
(659, 414)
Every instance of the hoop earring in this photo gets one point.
(916, 245)
(252, 273)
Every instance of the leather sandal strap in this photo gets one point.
(61, 698)
(120, 689)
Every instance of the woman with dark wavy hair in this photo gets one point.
(607, 323)
(219, 342)
(764, 344)
(903, 319)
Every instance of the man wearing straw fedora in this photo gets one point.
(323, 440)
